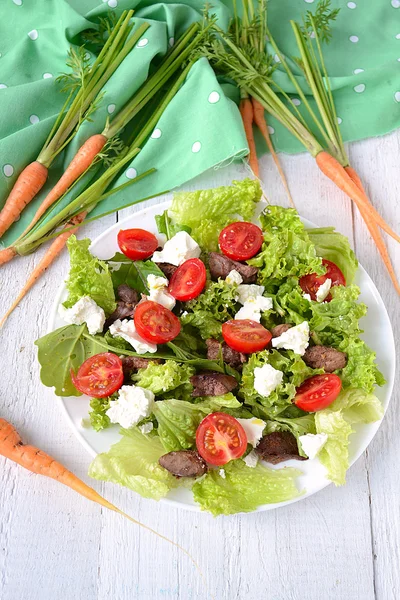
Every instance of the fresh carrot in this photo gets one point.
(246, 111)
(336, 173)
(260, 121)
(35, 460)
(6, 255)
(374, 231)
(28, 184)
(54, 250)
(78, 165)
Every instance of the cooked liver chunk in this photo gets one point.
(184, 463)
(212, 384)
(127, 300)
(230, 356)
(278, 446)
(167, 269)
(279, 329)
(324, 357)
(221, 266)
(134, 363)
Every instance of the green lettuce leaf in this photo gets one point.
(202, 320)
(335, 247)
(97, 416)
(133, 463)
(298, 426)
(88, 276)
(178, 420)
(206, 212)
(244, 488)
(358, 407)
(295, 371)
(132, 272)
(287, 250)
(166, 226)
(60, 351)
(335, 454)
(165, 378)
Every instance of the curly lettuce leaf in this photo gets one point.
(178, 420)
(133, 463)
(88, 276)
(334, 246)
(164, 378)
(206, 212)
(287, 250)
(244, 489)
(97, 416)
(294, 369)
(358, 407)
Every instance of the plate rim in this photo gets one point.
(262, 508)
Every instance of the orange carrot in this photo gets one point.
(260, 121)
(37, 461)
(336, 173)
(6, 255)
(28, 184)
(78, 165)
(375, 233)
(246, 111)
(51, 254)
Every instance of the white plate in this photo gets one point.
(378, 335)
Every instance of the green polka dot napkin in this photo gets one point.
(201, 127)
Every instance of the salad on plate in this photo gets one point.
(227, 354)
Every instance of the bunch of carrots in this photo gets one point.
(241, 55)
(173, 70)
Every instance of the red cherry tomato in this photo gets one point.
(189, 280)
(240, 240)
(318, 392)
(310, 283)
(155, 323)
(137, 244)
(245, 335)
(220, 438)
(99, 376)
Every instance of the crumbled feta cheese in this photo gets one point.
(312, 443)
(307, 297)
(179, 248)
(146, 428)
(234, 277)
(323, 290)
(251, 459)
(84, 311)
(222, 473)
(247, 291)
(126, 330)
(296, 339)
(157, 291)
(253, 429)
(133, 404)
(266, 379)
(253, 307)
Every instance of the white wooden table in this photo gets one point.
(342, 544)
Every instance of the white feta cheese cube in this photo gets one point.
(146, 428)
(222, 473)
(234, 278)
(266, 379)
(133, 404)
(158, 291)
(253, 307)
(251, 459)
(253, 429)
(246, 291)
(179, 248)
(84, 311)
(323, 290)
(296, 339)
(126, 330)
(307, 297)
(312, 443)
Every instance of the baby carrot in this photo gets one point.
(260, 121)
(246, 111)
(28, 184)
(6, 255)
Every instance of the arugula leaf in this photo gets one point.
(166, 226)
(88, 276)
(132, 273)
(62, 350)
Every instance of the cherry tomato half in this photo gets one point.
(318, 392)
(245, 335)
(137, 244)
(155, 323)
(189, 280)
(240, 240)
(310, 283)
(220, 438)
(99, 376)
